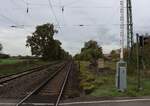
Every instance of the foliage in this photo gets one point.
(89, 81)
(86, 78)
(91, 50)
(1, 47)
(12, 66)
(108, 89)
(133, 60)
(114, 55)
(44, 45)
(4, 56)
(146, 54)
(110, 64)
(104, 85)
(10, 61)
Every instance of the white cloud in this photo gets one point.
(14, 45)
(100, 17)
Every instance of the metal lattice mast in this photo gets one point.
(122, 28)
(129, 26)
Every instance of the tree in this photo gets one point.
(43, 44)
(1, 47)
(91, 50)
(115, 55)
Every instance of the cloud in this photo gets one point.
(100, 17)
(14, 45)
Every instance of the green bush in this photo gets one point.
(87, 79)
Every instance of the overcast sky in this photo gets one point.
(99, 17)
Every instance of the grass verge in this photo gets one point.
(104, 85)
(10, 61)
(12, 66)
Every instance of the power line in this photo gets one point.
(24, 1)
(13, 2)
(26, 15)
(60, 5)
(90, 7)
(51, 6)
(78, 25)
(62, 10)
(8, 19)
(73, 2)
(113, 14)
(23, 19)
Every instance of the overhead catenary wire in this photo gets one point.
(73, 2)
(8, 19)
(73, 7)
(34, 5)
(51, 6)
(26, 11)
(17, 6)
(60, 5)
(14, 3)
(24, 1)
(52, 9)
(27, 5)
(78, 25)
(13, 24)
(94, 7)
(72, 25)
(62, 11)
(69, 7)
(40, 4)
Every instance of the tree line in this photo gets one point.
(1, 47)
(2, 55)
(43, 44)
(90, 51)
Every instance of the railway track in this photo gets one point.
(50, 90)
(6, 79)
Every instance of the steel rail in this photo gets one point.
(41, 85)
(63, 85)
(18, 75)
(41, 66)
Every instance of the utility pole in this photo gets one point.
(141, 41)
(122, 29)
(129, 28)
(121, 72)
(138, 62)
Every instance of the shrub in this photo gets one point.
(4, 56)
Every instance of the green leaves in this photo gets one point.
(1, 47)
(44, 45)
(91, 50)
